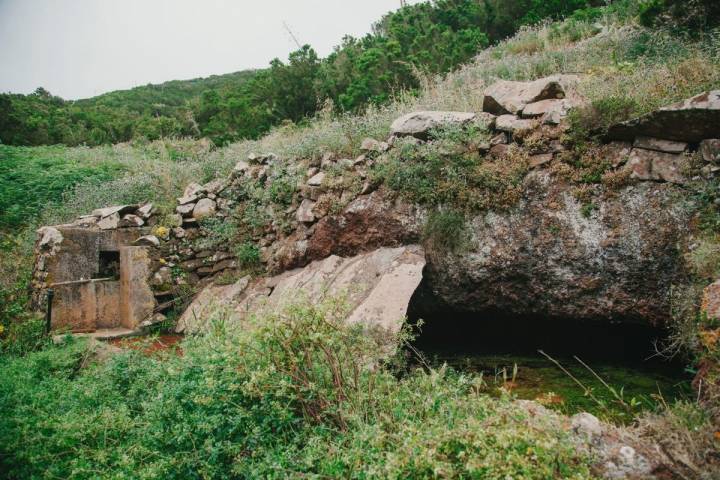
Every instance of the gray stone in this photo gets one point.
(539, 160)
(179, 232)
(586, 426)
(130, 220)
(109, 222)
(185, 209)
(513, 124)
(656, 166)
(550, 112)
(86, 221)
(419, 124)
(660, 145)
(156, 319)
(710, 150)
(317, 179)
(304, 213)
(618, 152)
(187, 199)
(204, 208)
(193, 189)
(50, 238)
(148, 241)
(692, 120)
(120, 209)
(145, 211)
(378, 286)
(499, 139)
(508, 97)
(240, 168)
(626, 463)
(372, 145)
(163, 277)
(215, 187)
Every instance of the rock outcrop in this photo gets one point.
(693, 120)
(549, 258)
(377, 286)
(551, 255)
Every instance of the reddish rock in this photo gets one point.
(368, 222)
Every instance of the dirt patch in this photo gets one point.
(169, 343)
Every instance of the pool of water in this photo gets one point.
(615, 391)
(622, 373)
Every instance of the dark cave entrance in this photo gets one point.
(502, 346)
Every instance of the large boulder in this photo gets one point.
(419, 124)
(550, 257)
(692, 120)
(508, 97)
(377, 286)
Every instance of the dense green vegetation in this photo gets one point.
(429, 38)
(285, 398)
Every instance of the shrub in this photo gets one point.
(297, 394)
(595, 119)
(248, 255)
(445, 230)
(686, 15)
(22, 335)
(449, 171)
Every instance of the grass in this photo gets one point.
(286, 398)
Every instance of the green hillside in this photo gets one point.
(406, 45)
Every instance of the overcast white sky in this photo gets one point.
(81, 48)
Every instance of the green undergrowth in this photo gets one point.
(296, 395)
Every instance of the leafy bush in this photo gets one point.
(687, 15)
(449, 171)
(298, 394)
(595, 119)
(248, 255)
(22, 335)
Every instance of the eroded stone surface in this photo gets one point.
(693, 120)
(547, 258)
(377, 286)
(657, 166)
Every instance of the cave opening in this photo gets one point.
(505, 348)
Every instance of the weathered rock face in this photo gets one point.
(546, 258)
(693, 120)
(378, 286)
(369, 222)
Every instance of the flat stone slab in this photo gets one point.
(377, 285)
(692, 120)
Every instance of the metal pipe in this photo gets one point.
(80, 282)
(48, 315)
